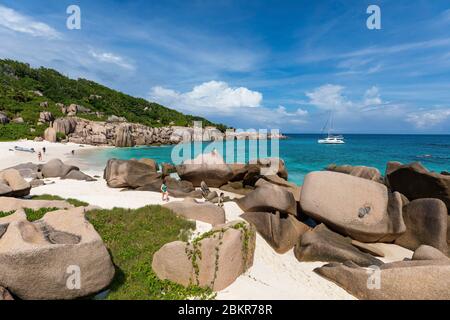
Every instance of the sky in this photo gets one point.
(253, 64)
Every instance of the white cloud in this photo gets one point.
(108, 57)
(372, 97)
(15, 21)
(428, 118)
(329, 97)
(212, 96)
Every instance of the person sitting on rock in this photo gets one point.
(165, 193)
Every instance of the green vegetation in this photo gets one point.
(5, 213)
(33, 215)
(133, 236)
(75, 202)
(20, 96)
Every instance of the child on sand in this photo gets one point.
(165, 193)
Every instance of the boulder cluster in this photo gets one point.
(118, 132)
(340, 215)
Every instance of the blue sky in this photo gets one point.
(253, 64)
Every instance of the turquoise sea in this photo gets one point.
(303, 154)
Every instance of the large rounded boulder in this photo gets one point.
(12, 184)
(213, 260)
(322, 244)
(130, 174)
(356, 207)
(60, 256)
(281, 231)
(415, 182)
(201, 211)
(369, 173)
(269, 198)
(426, 224)
(209, 168)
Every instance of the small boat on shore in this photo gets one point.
(23, 149)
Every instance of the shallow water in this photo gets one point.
(302, 153)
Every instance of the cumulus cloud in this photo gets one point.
(428, 118)
(15, 21)
(329, 97)
(212, 95)
(111, 58)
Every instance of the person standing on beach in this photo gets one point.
(165, 193)
(39, 156)
(43, 150)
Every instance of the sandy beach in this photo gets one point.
(273, 276)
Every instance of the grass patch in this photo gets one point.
(74, 202)
(33, 215)
(5, 214)
(132, 237)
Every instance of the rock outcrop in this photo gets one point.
(55, 168)
(356, 207)
(415, 182)
(3, 118)
(50, 135)
(322, 244)
(213, 260)
(210, 168)
(281, 231)
(8, 204)
(364, 172)
(130, 174)
(426, 224)
(268, 198)
(201, 211)
(404, 280)
(43, 259)
(12, 184)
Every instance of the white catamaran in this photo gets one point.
(331, 139)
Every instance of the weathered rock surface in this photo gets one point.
(214, 260)
(236, 187)
(322, 244)
(209, 168)
(415, 182)
(46, 116)
(5, 295)
(201, 211)
(425, 252)
(12, 184)
(38, 260)
(151, 163)
(8, 204)
(268, 198)
(281, 232)
(124, 136)
(130, 174)
(359, 208)
(404, 280)
(50, 135)
(289, 186)
(364, 172)
(65, 125)
(426, 223)
(55, 168)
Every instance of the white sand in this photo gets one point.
(272, 276)
(9, 157)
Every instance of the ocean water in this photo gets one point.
(302, 153)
